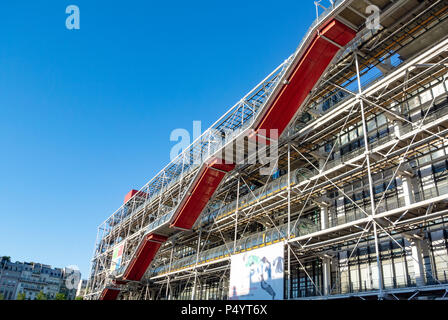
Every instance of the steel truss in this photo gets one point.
(335, 150)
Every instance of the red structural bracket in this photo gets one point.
(304, 76)
(145, 253)
(203, 189)
(132, 193)
(109, 294)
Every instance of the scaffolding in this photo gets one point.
(359, 193)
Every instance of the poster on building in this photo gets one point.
(257, 274)
(116, 257)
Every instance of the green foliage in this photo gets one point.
(41, 296)
(60, 296)
(79, 298)
(2, 297)
(21, 296)
(4, 260)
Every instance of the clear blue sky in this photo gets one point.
(86, 114)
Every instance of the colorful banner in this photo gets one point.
(116, 257)
(258, 274)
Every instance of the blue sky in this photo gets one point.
(86, 114)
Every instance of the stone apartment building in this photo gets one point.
(30, 278)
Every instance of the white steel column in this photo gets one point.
(326, 271)
(193, 291)
(406, 179)
(415, 244)
(397, 124)
(324, 222)
(417, 259)
(407, 190)
(236, 214)
(326, 262)
(168, 284)
(369, 173)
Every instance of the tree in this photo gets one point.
(4, 260)
(79, 298)
(21, 296)
(41, 296)
(60, 296)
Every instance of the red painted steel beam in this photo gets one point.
(304, 77)
(209, 180)
(143, 258)
(133, 192)
(109, 294)
(139, 264)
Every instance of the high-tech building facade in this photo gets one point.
(355, 205)
(30, 278)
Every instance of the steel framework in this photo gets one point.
(359, 193)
